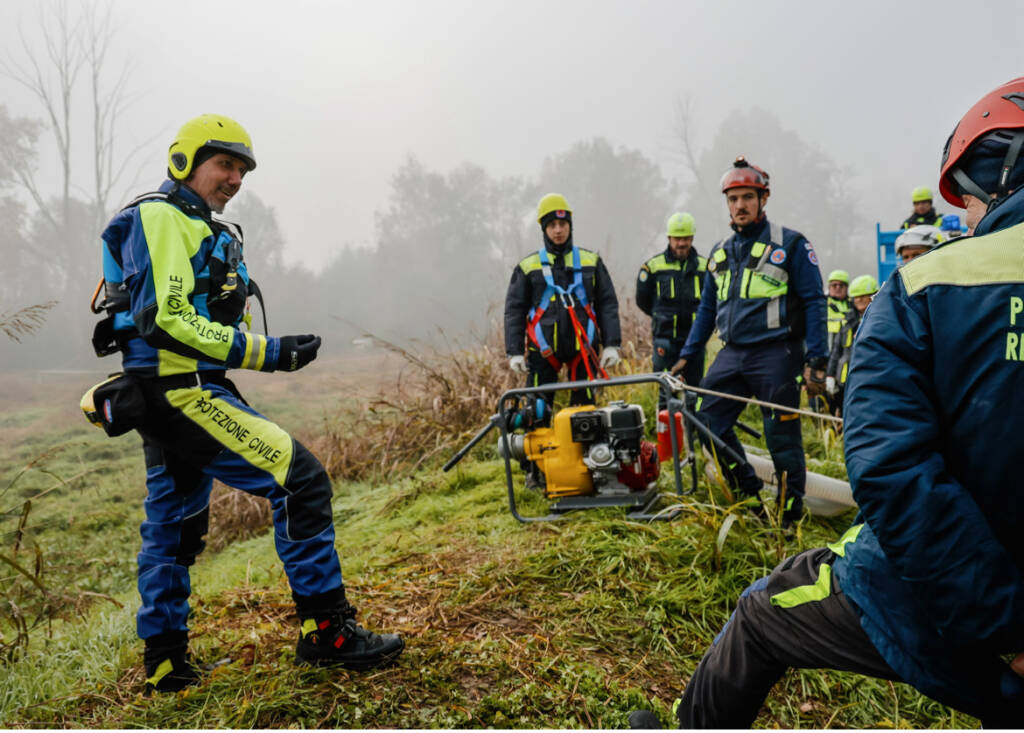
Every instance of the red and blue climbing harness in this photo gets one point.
(575, 294)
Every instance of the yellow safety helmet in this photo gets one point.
(863, 285)
(921, 193)
(552, 202)
(841, 275)
(214, 132)
(681, 224)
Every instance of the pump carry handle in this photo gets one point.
(469, 446)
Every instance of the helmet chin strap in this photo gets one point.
(968, 186)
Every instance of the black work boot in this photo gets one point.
(794, 511)
(644, 720)
(169, 666)
(330, 636)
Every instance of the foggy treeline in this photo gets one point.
(446, 240)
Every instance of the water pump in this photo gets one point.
(590, 450)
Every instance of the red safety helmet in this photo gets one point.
(743, 174)
(1000, 109)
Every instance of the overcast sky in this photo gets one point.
(337, 94)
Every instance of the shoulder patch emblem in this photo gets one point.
(778, 256)
(643, 274)
(812, 257)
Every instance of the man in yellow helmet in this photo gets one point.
(837, 304)
(924, 212)
(176, 292)
(862, 290)
(561, 308)
(668, 290)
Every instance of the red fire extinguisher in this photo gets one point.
(665, 438)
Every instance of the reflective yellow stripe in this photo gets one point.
(247, 355)
(800, 595)
(758, 248)
(255, 351)
(170, 363)
(256, 439)
(529, 264)
(839, 546)
(163, 669)
(986, 260)
(658, 264)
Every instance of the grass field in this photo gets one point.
(564, 625)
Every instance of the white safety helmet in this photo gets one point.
(923, 235)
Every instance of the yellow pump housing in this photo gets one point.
(559, 457)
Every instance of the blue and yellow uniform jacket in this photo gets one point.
(527, 287)
(762, 285)
(932, 218)
(668, 290)
(933, 424)
(168, 261)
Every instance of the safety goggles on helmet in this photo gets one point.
(744, 174)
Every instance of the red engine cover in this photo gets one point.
(644, 470)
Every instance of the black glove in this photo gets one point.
(297, 351)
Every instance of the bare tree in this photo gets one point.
(108, 104)
(50, 75)
(682, 128)
(52, 72)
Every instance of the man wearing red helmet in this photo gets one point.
(929, 587)
(763, 292)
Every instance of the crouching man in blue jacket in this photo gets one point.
(928, 587)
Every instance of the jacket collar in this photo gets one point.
(177, 189)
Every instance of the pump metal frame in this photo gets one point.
(641, 505)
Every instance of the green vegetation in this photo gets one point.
(564, 625)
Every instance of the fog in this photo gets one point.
(486, 100)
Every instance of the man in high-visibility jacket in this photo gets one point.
(763, 291)
(176, 285)
(837, 305)
(561, 308)
(924, 212)
(928, 587)
(668, 290)
(862, 290)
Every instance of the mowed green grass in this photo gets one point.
(565, 625)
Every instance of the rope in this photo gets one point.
(678, 384)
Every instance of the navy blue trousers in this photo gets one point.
(767, 372)
(193, 435)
